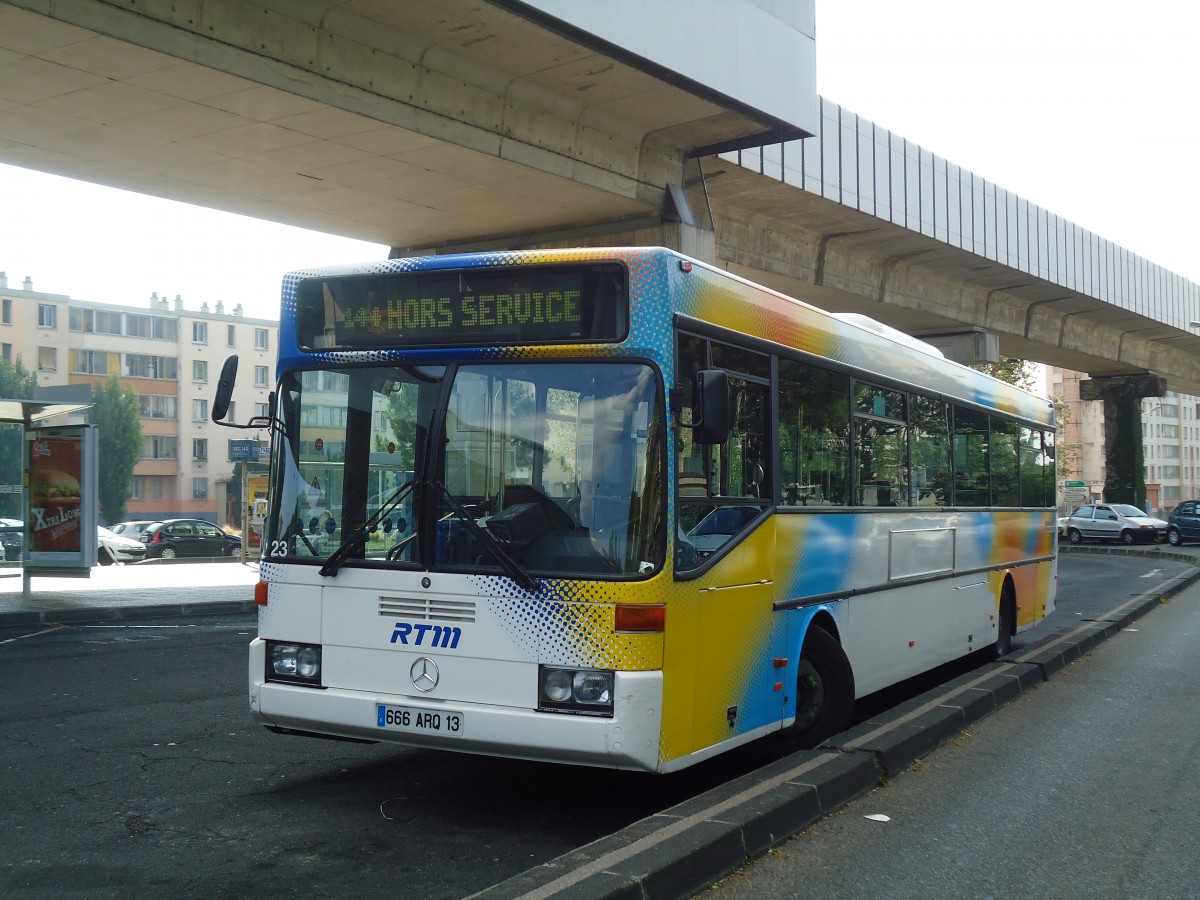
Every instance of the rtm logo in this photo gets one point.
(443, 635)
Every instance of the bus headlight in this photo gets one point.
(557, 686)
(587, 691)
(295, 663)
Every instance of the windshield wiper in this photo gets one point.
(511, 567)
(359, 535)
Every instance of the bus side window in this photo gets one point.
(722, 488)
(814, 435)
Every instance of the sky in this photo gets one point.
(1084, 107)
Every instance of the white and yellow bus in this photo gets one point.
(615, 507)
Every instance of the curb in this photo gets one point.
(680, 851)
(125, 613)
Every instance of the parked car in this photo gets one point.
(1184, 523)
(1114, 522)
(189, 537)
(132, 528)
(12, 539)
(118, 548)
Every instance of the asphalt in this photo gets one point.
(682, 850)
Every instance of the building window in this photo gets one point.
(151, 327)
(8, 352)
(260, 376)
(137, 490)
(158, 406)
(89, 362)
(199, 332)
(230, 335)
(200, 448)
(94, 321)
(160, 446)
(200, 370)
(200, 488)
(230, 416)
(7, 311)
(260, 339)
(47, 359)
(164, 368)
(47, 316)
(261, 411)
(199, 411)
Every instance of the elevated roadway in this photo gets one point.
(467, 124)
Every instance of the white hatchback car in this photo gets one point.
(1114, 522)
(117, 548)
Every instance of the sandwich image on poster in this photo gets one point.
(54, 495)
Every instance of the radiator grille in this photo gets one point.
(434, 609)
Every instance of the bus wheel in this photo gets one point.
(824, 689)
(1004, 627)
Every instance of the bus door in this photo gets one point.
(725, 550)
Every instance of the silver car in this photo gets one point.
(1114, 522)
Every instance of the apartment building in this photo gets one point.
(1170, 444)
(172, 357)
(1171, 436)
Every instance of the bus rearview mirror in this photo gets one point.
(225, 389)
(712, 403)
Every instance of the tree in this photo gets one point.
(15, 384)
(115, 414)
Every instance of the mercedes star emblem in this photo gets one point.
(424, 674)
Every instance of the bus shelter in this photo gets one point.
(58, 487)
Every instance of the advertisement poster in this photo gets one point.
(55, 495)
(60, 498)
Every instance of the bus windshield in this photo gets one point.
(532, 469)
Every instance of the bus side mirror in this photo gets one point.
(712, 402)
(225, 389)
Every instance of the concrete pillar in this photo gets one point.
(1124, 462)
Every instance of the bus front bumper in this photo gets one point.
(627, 740)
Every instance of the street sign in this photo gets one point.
(243, 451)
(1075, 484)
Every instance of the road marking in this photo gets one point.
(32, 634)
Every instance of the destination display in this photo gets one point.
(528, 305)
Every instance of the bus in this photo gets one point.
(620, 508)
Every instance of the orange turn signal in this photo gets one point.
(640, 619)
(260, 593)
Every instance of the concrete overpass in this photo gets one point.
(485, 123)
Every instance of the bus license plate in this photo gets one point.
(423, 721)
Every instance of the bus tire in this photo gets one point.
(1004, 625)
(824, 688)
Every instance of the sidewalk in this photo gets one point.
(173, 588)
(680, 852)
